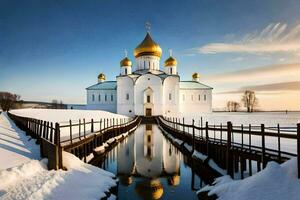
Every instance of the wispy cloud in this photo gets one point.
(274, 38)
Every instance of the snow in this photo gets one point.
(199, 155)
(32, 180)
(24, 176)
(274, 182)
(62, 116)
(15, 147)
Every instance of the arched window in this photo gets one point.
(125, 70)
(105, 97)
(205, 97)
(93, 97)
(99, 97)
(199, 97)
(112, 97)
(171, 70)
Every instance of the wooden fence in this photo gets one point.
(48, 135)
(218, 142)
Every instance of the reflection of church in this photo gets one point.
(151, 156)
(148, 90)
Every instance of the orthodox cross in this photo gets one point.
(125, 51)
(148, 26)
(170, 52)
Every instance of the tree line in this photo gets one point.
(249, 101)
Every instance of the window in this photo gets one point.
(105, 97)
(192, 97)
(149, 65)
(144, 64)
(149, 138)
(93, 97)
(127, 96)
(199, 97)
(112, 97)
(205, 97)
(170, 96)
(99, 97)
(183, 97)
(171, 70)
(148, 98)
(125, 70)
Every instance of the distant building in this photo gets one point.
(148, 90)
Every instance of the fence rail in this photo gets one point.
(240, 143)
(48, 135)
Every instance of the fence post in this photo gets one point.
(183, 128)
(207, 138)
(263, 146)
(92, 125)
(279, 148)
(298, 148)
(193, 136)
(70, 131)
(229, 163)
(79, 127)
(58, 152)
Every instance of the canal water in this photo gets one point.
(150, 167)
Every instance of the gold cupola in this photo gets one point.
(196, 77)
(148, 47)
(126, 62)
(101, 77)
(170, 62)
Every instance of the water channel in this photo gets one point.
(149, 166)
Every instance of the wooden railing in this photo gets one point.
(207, 138)
(48, 135)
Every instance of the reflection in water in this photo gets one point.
(150, 167)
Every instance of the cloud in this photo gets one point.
(265, 74)
(274, 38)
(274, 88)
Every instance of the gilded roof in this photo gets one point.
(147, 47)
(170, 62)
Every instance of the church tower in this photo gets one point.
(147, 54)
(171, 65)
(126, 65)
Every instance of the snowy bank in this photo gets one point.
(15, 147)
(32, 180)
(274, 182)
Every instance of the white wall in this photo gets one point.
(108, 105)
(171, 86)
(125, 85)
(192, 104)
(148, 62)
(142, 83)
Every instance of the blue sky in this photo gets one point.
(55, 49)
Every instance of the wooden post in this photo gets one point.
(51, 133)
(279, 147)
(92, 126)
(242, 129)
(183, 128)
(71, 131)
(207, 138)
(47, 133)
(221, 133)
(229, 165)
(263, 146)
(201, 119)
(298, 148)
(79, 127)
(44, 132)
(84, 131)
(193, 136)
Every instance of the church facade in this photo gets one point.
(148, 90)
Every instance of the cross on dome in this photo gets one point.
(125, 51)
(170, 52)
(148, 26)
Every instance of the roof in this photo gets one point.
(193, 85)
(106, 85)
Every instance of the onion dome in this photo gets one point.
(195, 75)
(125, 62)
(150, 189)
(101, 77)
(148, 47)
(170, 62)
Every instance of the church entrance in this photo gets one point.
(148, 111)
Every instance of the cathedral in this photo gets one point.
(148, 90)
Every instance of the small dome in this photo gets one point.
(125, 62)
(147, 47)
(170, 62)
(101, 76)
(150, 189)
(196, 75)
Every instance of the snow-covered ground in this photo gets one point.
(274, 182)
(24, 176)
(33, 180)
(62, 116)
(15, 147)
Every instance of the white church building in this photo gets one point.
(148, 90)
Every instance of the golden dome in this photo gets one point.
(196, 75)
(150, 189)
(125, 62)
(147, 47)
(174, 180)
(170, 62)
(101, 76)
